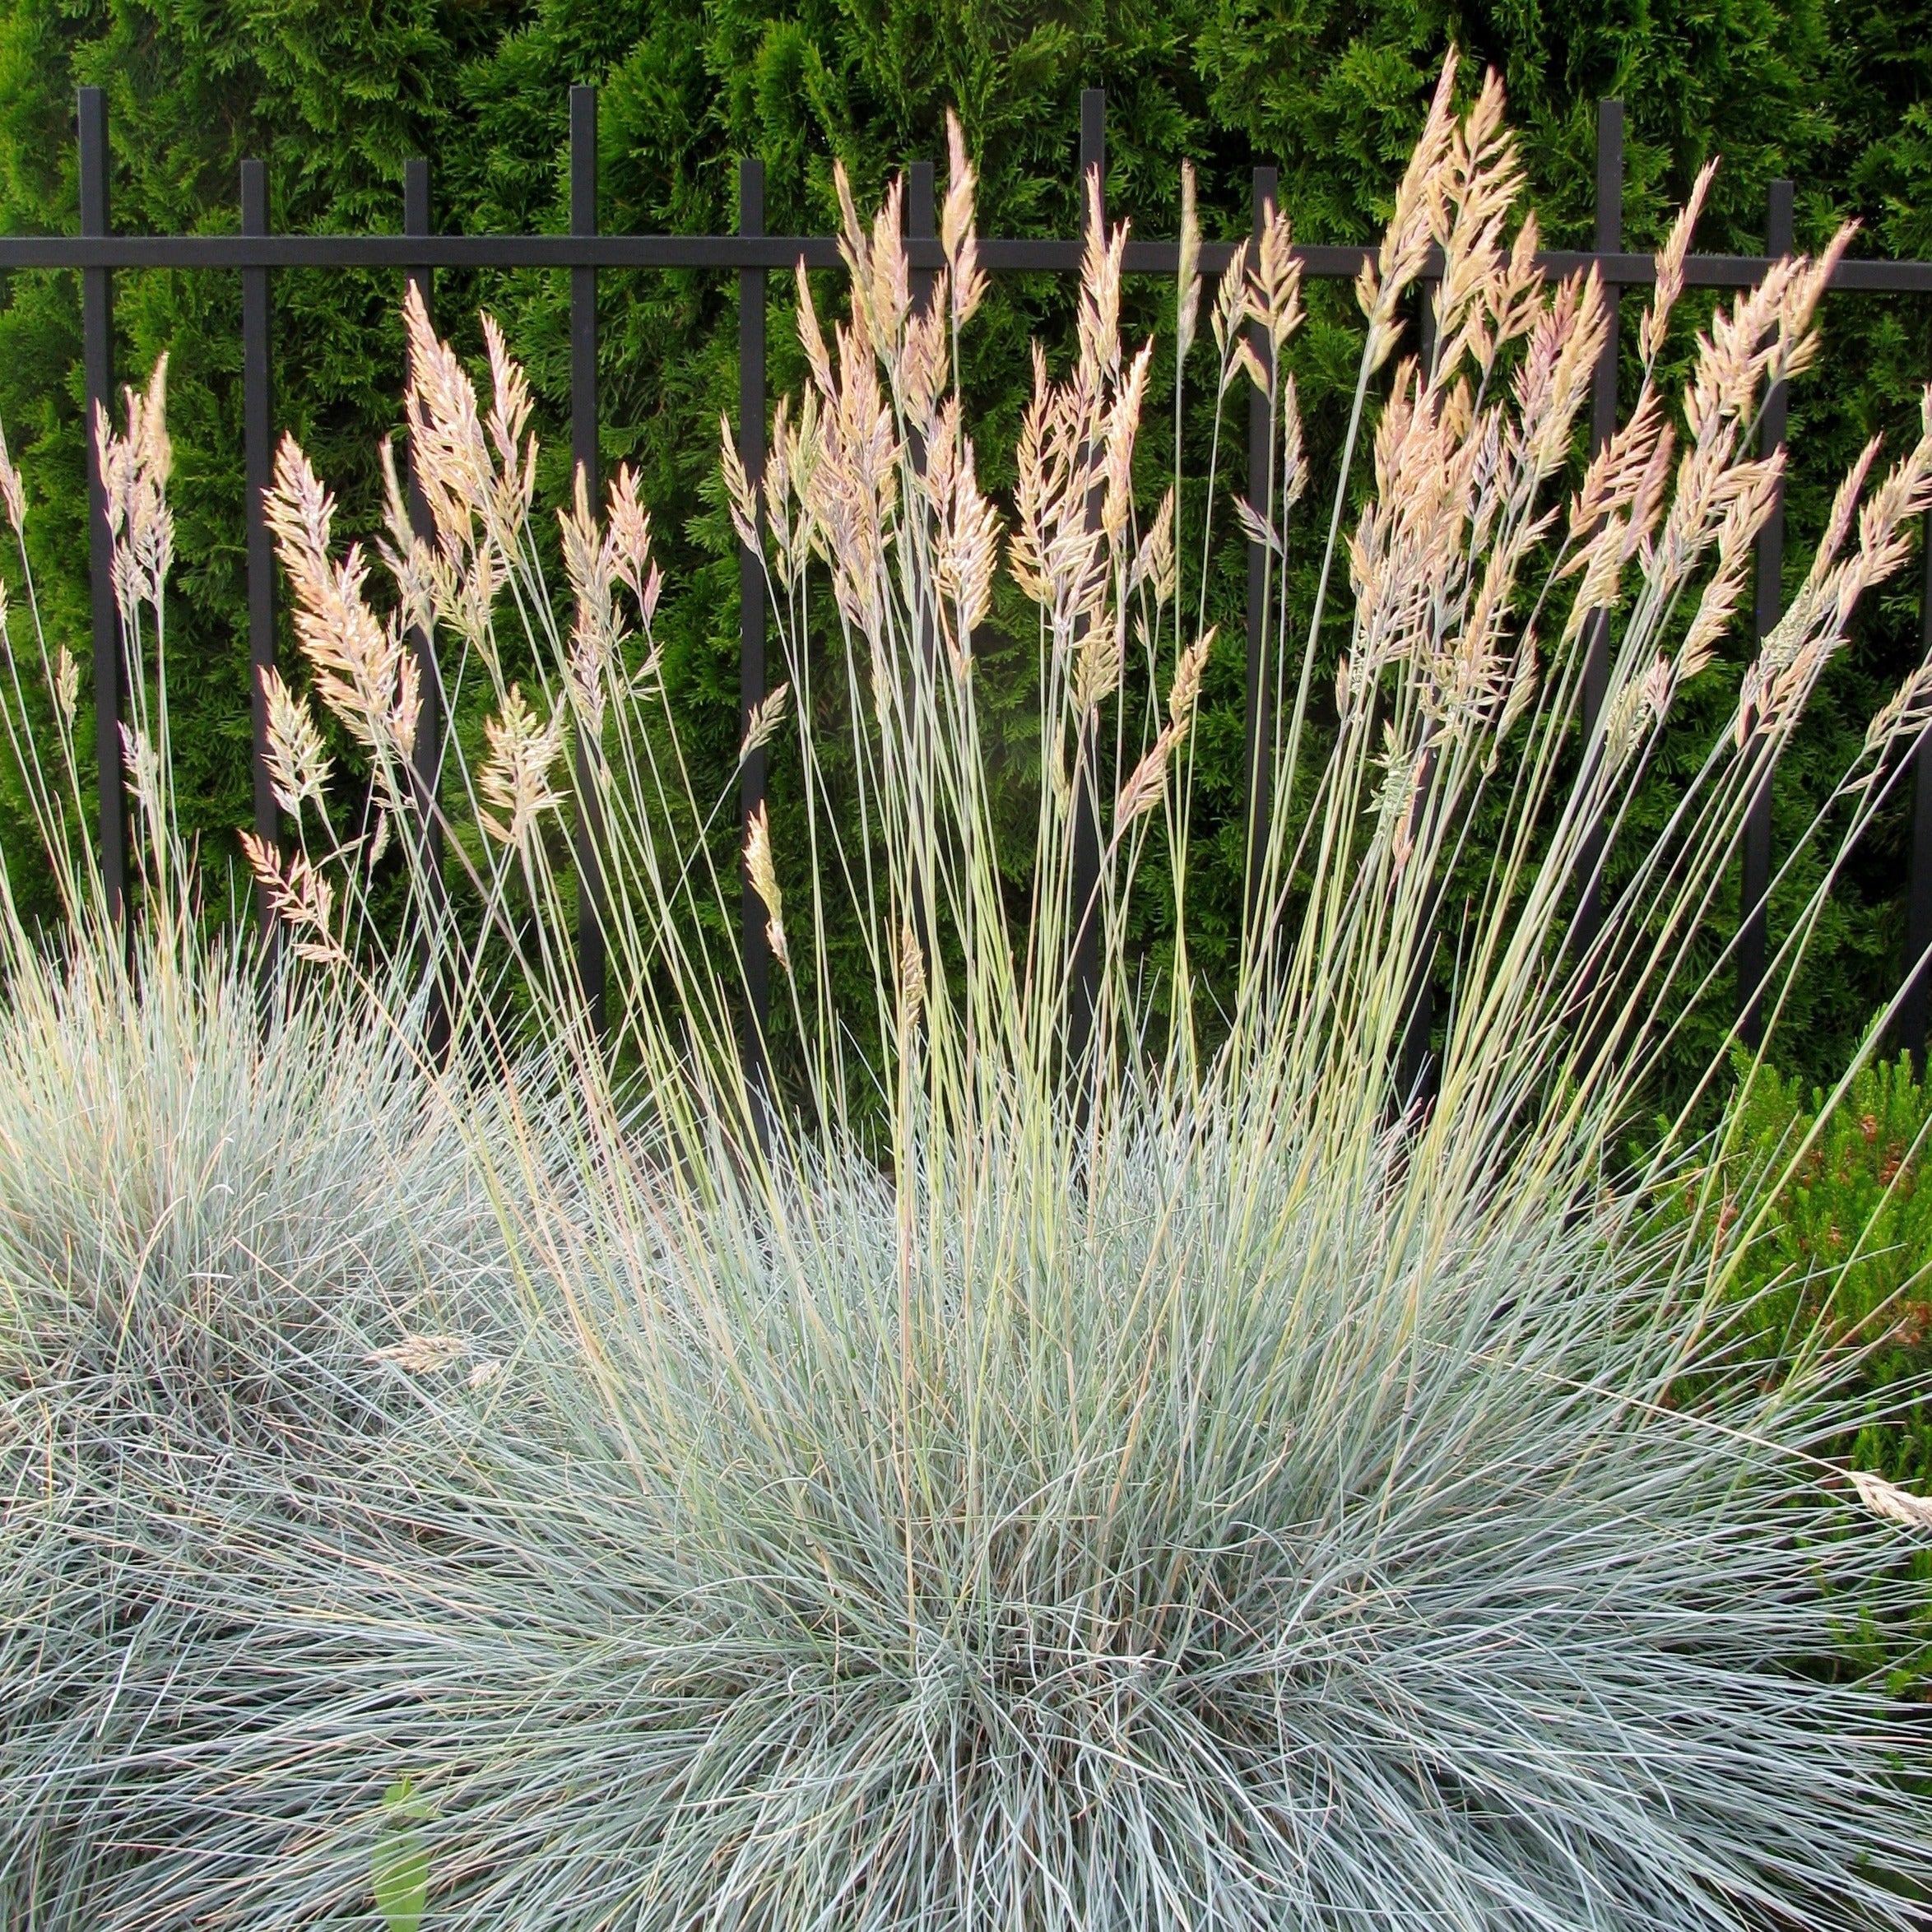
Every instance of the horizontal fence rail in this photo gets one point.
(752, 255)
(820, 251)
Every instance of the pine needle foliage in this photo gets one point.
(1072, 1453)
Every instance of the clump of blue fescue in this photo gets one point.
(1244, 1544)
(225, 1217)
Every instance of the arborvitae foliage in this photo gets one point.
(335, 98)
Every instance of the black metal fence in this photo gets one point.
(255, 254)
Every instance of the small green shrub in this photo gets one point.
(1839, 1266)
(1841, 1254)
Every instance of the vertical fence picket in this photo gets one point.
(592, 962)
(1083, 961)
(1603, 425)
(1755, 885)
(1419, 992)
(751, 617)
(257, 431)
(97, 362)
(1261, 490)
(417, 219)
(1918, 914)
(920, 223)
(426, 765)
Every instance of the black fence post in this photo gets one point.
(258, 431)
(426, 762)
(919, 222)
(417, 219)
(591, 962)
(921, 225)
(1260, 491)
(1084, 978)
(751, 616)
(1419, 991)
(97, 361)
(1755, 887)
(1609, 240)
(1918, 914)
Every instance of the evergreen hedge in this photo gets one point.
(335, 95)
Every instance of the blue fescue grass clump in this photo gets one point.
(220, 1206)
(1034, 1453)
(1329, 1576)
(223, 1220)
